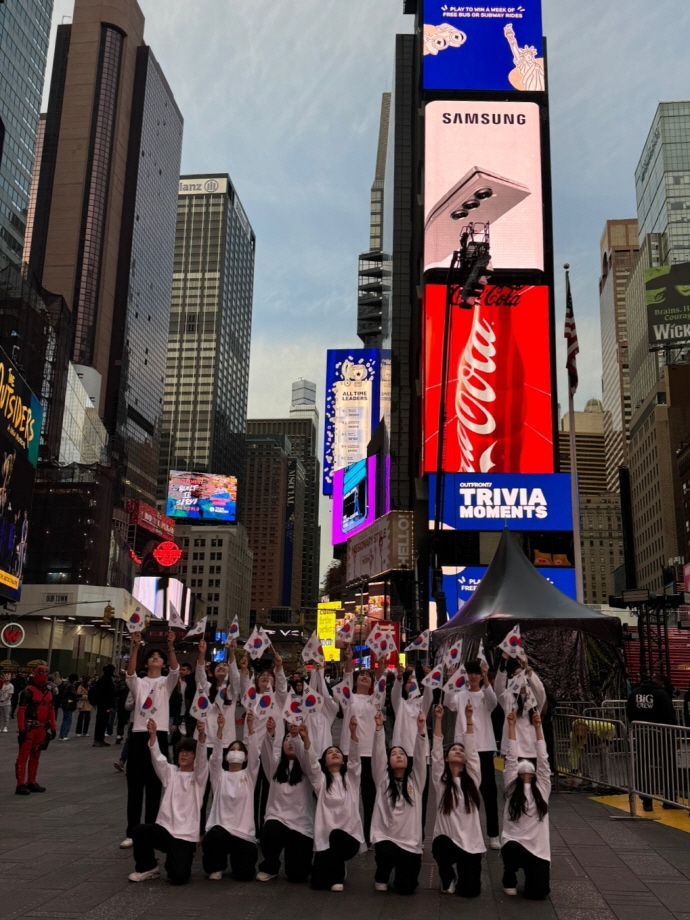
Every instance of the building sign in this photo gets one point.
(143, 515)
(325, 624)
(668, 304)
(289, 548)
(12, 635)
(204, 185)
(483, 164)
(167, 554)
(385, 546)
(498, 401)
(202, 497)
(492, 502)
(352, 408)
(354, 500)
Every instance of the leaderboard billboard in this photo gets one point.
(202, 497)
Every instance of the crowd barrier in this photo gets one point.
(609, 709)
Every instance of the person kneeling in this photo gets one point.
(176, 830)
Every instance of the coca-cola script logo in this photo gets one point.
(12, 635)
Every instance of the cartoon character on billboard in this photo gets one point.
(528, 75)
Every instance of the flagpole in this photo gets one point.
(574, 496)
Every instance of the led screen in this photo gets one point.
(354, 499)
(483, 164)
(161, 595)
(668, 303)
(202, 497)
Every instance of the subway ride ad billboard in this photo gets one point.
(21, 415)
(202, 497)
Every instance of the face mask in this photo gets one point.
(235, 757)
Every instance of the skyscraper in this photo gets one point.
(24, 37)
(207, 372)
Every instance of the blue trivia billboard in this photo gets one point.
(519, 501)
(483, 47)
(460, 583)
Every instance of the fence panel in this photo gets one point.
(592, 751)
(660, 760)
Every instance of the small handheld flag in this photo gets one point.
(457, 682)
(137, 621)
(434, 678)
(258, 642)
(201, 706)
(233, 632)
(453, 656)
(512, 644)
(421, 643)
(313, 651)
(199, 629)
(342, 693)
(174, 618)
(346, 633)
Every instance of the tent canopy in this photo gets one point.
(512, 591)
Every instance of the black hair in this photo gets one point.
(512, 665)
(156, 651)
(517, 800)
(327, 773)
(407, 674)
(520, 707)
(399, 786)
(356, 674)
(73, 678)
(451, 796)
(474, 666)
(235, 745)
(284, 774)
(213, 689)
(186, 744)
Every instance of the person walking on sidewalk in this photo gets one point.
(84, 708)
(649, 702)
(6, 691)
(69, 700)
(104, 694)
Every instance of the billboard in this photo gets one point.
(202, 497)
(498, 406)
(384, 546)
(162, 595)
(668, 303)
(354, 500)
(143, 515)
(21, 415)
(353, 382)
(483, 47)
(495, 501)
(483, 164)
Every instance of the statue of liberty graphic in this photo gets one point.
(528, 75)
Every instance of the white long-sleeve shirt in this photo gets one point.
(463, 829)
(233, 792)
(320, 723)
(401, 823)
(363, 707)
(523, 727)
(337, 808)
(483, 704)
(528, 830)
(281, 695)
(220, 706)
(293, 806)
(158, 690)
(183, 794)
(406, 711)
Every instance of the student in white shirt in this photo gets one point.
(151, 700)
(525, 838)
(176, 829)
(396, 826)
(338, 833)
(458, 841)
(289, 822)
(480, 694)
(518, 674)
(321, 722)
(231, 820)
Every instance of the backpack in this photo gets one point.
(93, 693)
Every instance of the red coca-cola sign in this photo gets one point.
(498, 406)
(167, 554)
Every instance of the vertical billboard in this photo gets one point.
(354, 499)
(202, 497)
(483, 47)
(499, 392)
(21, 415)
(289, 551)
(483, 164)
(353, 383)
(668, 304)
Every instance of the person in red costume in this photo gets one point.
(36, 724)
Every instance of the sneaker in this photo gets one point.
(5, 729)
(265, 876)
(217, 876)
(118, 740)
(127, 844)
(338, 887)
(510, 891)
(78, 735)
(451, 888)
(144, 876)
(22, 790)
(34, 787)
(379, 886)
(494, 843)
(119, 766)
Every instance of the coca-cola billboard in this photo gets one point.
(498, 400)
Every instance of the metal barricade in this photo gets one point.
(660, 763)
(678, 706)
(573, 707)
(614, 709)
(592, 751)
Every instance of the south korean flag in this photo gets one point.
(201, 706)
(258, 642)
(512, 644)
(313, 651)
(421, 643)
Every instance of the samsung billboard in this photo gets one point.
(483, 47)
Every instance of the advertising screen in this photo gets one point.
(160, 595)
(353, 383)
(21, 415)
(202, 497)
(354, 499)
(498, 399)
(668, 303)
(483, 47)
(483, 164)
(495, 501)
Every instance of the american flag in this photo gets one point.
(571, 335)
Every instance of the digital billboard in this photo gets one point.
(495, 501)
(162, 595)
(483, 47)
(668, 303)
(353, 382)
(354, 499)
(143, 515)
(483, 164)
(498, 398)
(21, 415)
(202, 497)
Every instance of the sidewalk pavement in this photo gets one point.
(60, 858)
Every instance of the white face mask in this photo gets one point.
(235, 757)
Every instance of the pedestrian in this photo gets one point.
(481, 696)
(232, 833)
(458, 843)
(70, 698)
(289, 821)
(104, 695)
(84, 708)
(36, 724)
(122, 761)
(175, 831)
(57, 686)
(123, 714)
(649, 702)
(19, 683)
(396, 826)
(338, 833)
(525, 838)
(151, 697)
(515, 682)
(6, 691)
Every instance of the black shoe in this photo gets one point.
(22, 790)
(34, 787)
(648, 806)
(100, 744)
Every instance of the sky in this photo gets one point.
(285, 96)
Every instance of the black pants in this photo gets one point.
(141, 778)
(218, 845)
(537, 871)
(179, 853)
(390, 857)
(455, 863)
(261, 790)
(102, 716)
(276, 837)
(329, 865)
(368, 790)
(489, 792)
(122, 720)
